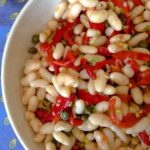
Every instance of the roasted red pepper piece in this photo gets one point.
(85, 40)
(137, 2)
(88, 68)
(71, 56)
(132, 54)
(125, 98)
(143, 78)
(74, 121)
(56, 69)
(102, 64)
(98, 26)
(129, 26)
(144, 138)
(91, 99)
(146, 110)
(134, 65)
(45, 47)
(104, 51)
(62, 104)
(62, 63)
(128, 121)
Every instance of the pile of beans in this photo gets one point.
(86, 85)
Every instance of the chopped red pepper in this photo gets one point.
(98, 26)
(56, 69)
(73, 121)
(128, 121)
(62, 104)
(104, 51)
(85, 40)
(146, 110)
(144, 138)
(134, 65)
(125, 98)
(131, 54)
(129, 26)
(62, 63)
(91, 99)
(137, 2)
(45, 47)
(71, 56)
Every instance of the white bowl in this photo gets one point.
(32, 19)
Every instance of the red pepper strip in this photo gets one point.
(88, 68)
(137, 2)
(91, 99)
(115, 33)
(62, 63)
(56, 69)
(104, 51)
(45, 47)
(128, 121)
(62, 104)
(144, 138)
(144, 78)
(98, 26)
(134, 65)
(129, 26)
(103, 64)
(73, 121)
(125, 98)
(85, 40)
(131, 54)
(71, 56)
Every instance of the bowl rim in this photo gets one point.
(3, 71)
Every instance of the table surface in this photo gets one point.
(9, 10)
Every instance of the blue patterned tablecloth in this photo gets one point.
(9, 10)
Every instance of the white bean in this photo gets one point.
(39, 138)
(128, 71)
(79, 106)
(91, 146)
(43, 37)
(50, 146)
(137, 95)
(78, 134)
(96, 58)
(130, 3)
(78, 29)
(35, 124)
(72, 1)
(100, 81)
(61, 138)
(90, 136)
(122, 90)
(138, 19)
(60, 9)
(62, 126)
(50, 98)
(124, 109)
(52, 91)
(83, 74)
(33, 104)
(147, 96)
(146, 15)
(84, 21)
(48, 138)
(53, 24)
(147, 5)
(98, 16)
(109, 31)
(114, 21)
(41, 93)
(93, 33)
(89, 3)
(82, 84)
(109, 90)
(87, 126)
(102, 107)
(142, 26)
(29, 115)
(137, 38)
(143, 68)
(120, 38)
(39, 83)
(45, 74)
(88, 49)
(98, 41)
(90, 86)
(119, 78)
(58, 51)
(47, 128)
(137, 11)
(101, 5)
(142, 50)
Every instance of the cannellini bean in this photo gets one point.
(138, 19)
(29, 115)
(53, 24)
(52, 91)
(137, 38)
(78, 29)
(146, 15)
(79, 135)
(119, 78)
(147, 5)
(33, 104)
(61, 138)
(142, 50)
(48, 138)
(120, 38)
(47, 128)
(124, 109)
(98, 16)
(147, 96)
(89, 3)
(114, 21)
(137, 95)
(98, 41)
(128, 71)
(50, 146)
(39, 83)
(62, 126)
(91, 146)
(101, 5)
(109, 31)
(100, 81)
(138, 127)
(51, 68)
(28, 78)
(69, 147)
(39, 138)
(142, 26)
(79, 106)
(122, 90)
(74, 11)
(143, 68)
(90, 86)
(82, 84)
(78, 40)
(109, 90)
(137, 11)
(87, 126)
(83, 74)
(88, 49)
(42, 37)
(32, 66)
(41, 93)
(58, 51)
(84, 21)
(102, 107)
(60, 9)
(130, 3)
(93, 33)
(50, 98)
(45, 74)
(117, 47)
(35, 124)
(101, 140)
(90, 136)
(73, 72)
